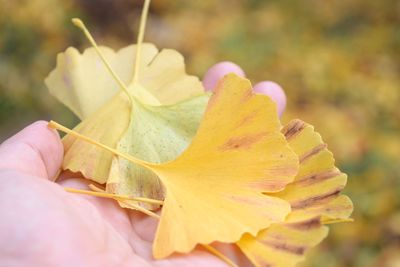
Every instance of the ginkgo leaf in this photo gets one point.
(318, 183)
(314, 199)
(83, 83)
(214, 189)
(92, 162)
(283, 245)
(166, 79)
(155, 134)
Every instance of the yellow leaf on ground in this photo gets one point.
(314, 197)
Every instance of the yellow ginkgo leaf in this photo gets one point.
(214, 189)
(82, 81)
(314, 199)
(155, 134)
(283, 245)
(84, 84)
(166, 79)
(318, 183)
(221, 186)
(92, 162)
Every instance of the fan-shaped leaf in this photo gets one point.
(313, 196)
(82, 82)
(155, 134)
(214, 190)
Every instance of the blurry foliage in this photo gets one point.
(339, 62)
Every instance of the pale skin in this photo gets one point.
(42, 225)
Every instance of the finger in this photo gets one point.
(218, 71)
(275, 92)
(36, 150)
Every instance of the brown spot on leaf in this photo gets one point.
(316, 200)
(248, 94)
(215, 95)
(246, 120)
(312, 152)
(310, 224)
(243, 142)
(298, 250)
(273, 185)
(261, 261)
(293, 129)
(316, 177)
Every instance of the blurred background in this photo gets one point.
(338, 61)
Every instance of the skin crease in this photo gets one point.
(42, 225)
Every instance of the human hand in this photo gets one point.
(42, 225)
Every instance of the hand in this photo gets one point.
(42, 225)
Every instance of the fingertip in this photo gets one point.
(36, 149)
(275, 92)
(49, 143)
(218, 71)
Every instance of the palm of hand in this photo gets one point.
(45, 226)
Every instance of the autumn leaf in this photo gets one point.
(83, 83)
(92, 162)
(214, 189)
(217, 189)
(227, 174)
(317, 186)
(283, 244)
(155, 134)
(314, 197)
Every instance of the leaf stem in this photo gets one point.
(142, 26)
(118, 198)
(143, 210)
(79, 23)
(145, 164)
(113, 196)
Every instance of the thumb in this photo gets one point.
(36, 150)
